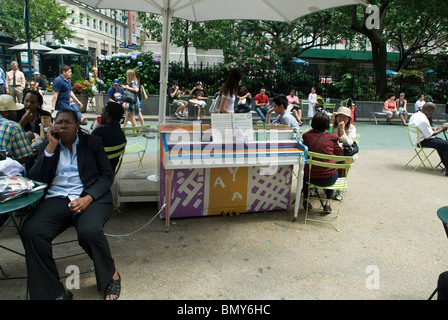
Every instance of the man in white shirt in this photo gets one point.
(427, 135)
(419, 103)
(15, 82)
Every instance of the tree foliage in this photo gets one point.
(46, 16)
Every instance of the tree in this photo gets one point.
(46, 16)
(377, 40)
(254, 56)
(184, 33)
(323, 28)
(422, 31)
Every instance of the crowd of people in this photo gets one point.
(79, 175)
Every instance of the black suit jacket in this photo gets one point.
(94, 167)
(112, 135)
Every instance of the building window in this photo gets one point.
(106, 26)
(101, 25)
(94, 23)
(88, 22)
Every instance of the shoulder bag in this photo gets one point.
(130, 96)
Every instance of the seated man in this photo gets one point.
(198, 102)
(427, 135)
(110, 131)
(174, 98)
(201, 95)
(13, 138)
(262, 103)
(284, 116)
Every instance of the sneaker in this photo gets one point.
(198, 119)
(178, 115)
(338, 197)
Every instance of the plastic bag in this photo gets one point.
(15, 187)
(11, 167)
(214, 107)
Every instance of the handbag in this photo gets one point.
(143, 91)
(350, 150)
(129, 96)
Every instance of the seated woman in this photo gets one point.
(294, 104)
(320, 141)
(244, 101)
(390, 108)
(341, 125)
(77, 171)
(402, 104)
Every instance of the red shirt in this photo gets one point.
(261, 99)
(327, 144)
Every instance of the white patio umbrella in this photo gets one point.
(61, 52)
(33, 46)
(206, 10)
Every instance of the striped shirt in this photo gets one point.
(2, 77)
(14, 140)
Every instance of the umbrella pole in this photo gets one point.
(167, 14)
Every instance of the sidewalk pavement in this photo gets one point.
(391, 244)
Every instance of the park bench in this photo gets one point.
(376, 115)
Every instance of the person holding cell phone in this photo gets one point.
(78, 173)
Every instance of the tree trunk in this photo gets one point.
(379, 57)
(379, 49)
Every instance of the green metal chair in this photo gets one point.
(340, 162)
(112, 153)
(330, 107)
(137, 148)
(419, 150)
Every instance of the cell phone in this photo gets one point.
(55, 134)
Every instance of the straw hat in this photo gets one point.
(7, 103)
(344, 111)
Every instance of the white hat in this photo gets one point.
(345, 111)
(7, 103)
(36, 72)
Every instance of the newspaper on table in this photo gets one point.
(15, 187)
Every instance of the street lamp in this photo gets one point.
(124, 18)
(115, 29)
(28, 37)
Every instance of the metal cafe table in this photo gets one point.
(11, 206)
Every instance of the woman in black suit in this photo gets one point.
(75, 167)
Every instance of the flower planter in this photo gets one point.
(84, 100)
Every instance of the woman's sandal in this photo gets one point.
(113, 288)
